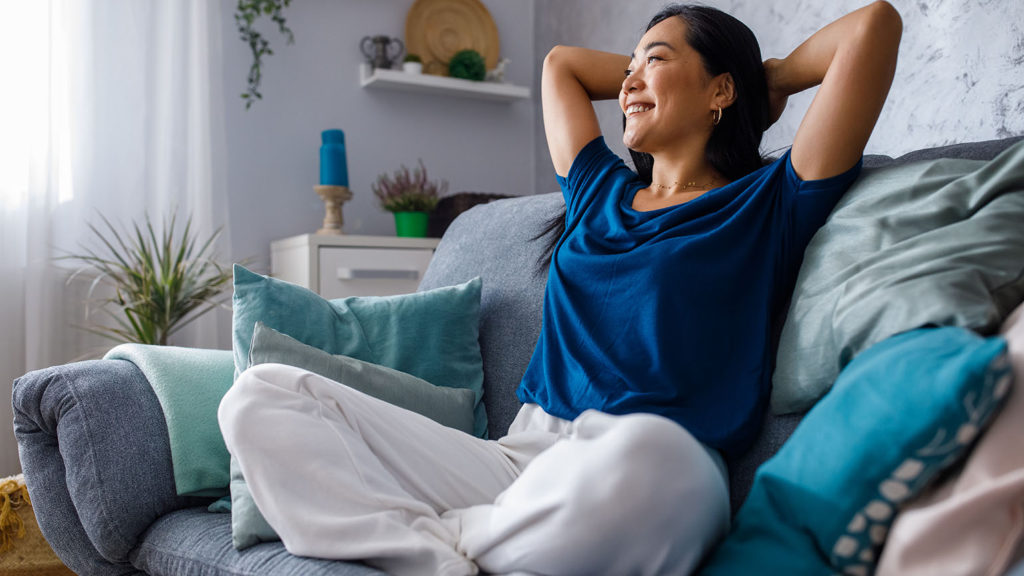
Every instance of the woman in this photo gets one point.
(654, 356)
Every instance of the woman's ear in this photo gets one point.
(724, 90)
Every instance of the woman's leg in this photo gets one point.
(630, 494)
(342, 475)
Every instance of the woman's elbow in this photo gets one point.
(883, 21)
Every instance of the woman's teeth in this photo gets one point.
(636, 108)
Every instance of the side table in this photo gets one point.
(338, 266)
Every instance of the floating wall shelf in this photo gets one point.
(427, 83)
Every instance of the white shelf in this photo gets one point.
(430, 84)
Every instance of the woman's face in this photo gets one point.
(667, 94)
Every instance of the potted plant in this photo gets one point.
(160, 283)
(412, 64)
(467, 64)
(411, 196)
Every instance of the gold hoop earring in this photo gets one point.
(718, 116)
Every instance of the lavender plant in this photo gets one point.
(408, 191)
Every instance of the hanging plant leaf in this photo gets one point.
(247, 13)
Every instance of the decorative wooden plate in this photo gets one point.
(436, 29)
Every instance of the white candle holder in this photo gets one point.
(333, 197)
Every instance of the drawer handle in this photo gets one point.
(377, 274)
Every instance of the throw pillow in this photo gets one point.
(900, 413)
(432, 335)
(451, 407)
(971, 520)
(912, 245)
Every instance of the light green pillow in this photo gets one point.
(928, 243)
(452, 407)
(432, 335)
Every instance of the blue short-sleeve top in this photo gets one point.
(670, 311)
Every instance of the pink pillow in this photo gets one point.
(970, 524)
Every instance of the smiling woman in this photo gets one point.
(652, 271)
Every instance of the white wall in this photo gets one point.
(960, 75)
(313, 85)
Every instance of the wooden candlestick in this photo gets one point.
(333, 197)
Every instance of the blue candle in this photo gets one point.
(333, 166)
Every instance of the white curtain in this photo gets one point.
(112, 108)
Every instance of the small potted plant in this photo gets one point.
(412, 64)
(411, 196)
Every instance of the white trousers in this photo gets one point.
(342, 475)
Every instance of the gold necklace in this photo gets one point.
(686, 186)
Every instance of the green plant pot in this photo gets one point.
(411, 224)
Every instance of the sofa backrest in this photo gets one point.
(493, 241)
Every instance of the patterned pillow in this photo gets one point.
(901, 412)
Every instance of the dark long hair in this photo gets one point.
(725, 45)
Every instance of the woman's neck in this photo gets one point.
(683, 173)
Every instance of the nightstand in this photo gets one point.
(341, 266)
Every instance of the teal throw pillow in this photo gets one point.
(900, 413)
(452, 407)
(432, 335)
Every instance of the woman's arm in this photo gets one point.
(854, 59)
(573, 77)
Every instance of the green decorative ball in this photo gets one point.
(468, 64)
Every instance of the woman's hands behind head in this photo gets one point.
(777, 96)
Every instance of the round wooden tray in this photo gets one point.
(436, 29)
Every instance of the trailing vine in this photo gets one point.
(246, 13)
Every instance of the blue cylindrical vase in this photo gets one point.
(333, 166)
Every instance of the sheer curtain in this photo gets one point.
(113, 108)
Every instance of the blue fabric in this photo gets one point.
(190, 384)
(670, 311)
(900, 413)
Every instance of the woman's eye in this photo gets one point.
(628, 72)
(652, 59)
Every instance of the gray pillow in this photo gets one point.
(452, 407)
(938, 242)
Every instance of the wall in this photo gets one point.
(960, 75)
(313, 85)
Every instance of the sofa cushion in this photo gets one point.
(900, 413)
(193, 542)
(493, 241)
(927, 243)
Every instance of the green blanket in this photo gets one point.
(189, 384)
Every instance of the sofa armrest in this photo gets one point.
(94, 449)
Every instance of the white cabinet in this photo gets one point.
(342, 266)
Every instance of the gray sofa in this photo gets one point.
(94, 445)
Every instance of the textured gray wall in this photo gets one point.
(960, 75)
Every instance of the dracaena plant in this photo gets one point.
(160, 283)
(408, 190)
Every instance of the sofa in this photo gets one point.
(94, 445)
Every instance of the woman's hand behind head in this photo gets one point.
(777, 97)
